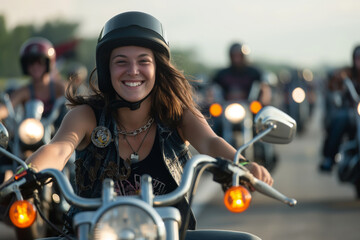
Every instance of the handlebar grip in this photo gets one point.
(265, 189)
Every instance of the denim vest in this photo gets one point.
(94, 164)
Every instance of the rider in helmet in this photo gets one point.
(340, 123)
(37, 59)
(143, 106)
(237, 80)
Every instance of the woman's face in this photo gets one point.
(132, 71)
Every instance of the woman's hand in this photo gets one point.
(260, 173)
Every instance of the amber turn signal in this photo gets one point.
(255, 107)
(237, 199)
(22, 214)
(215, 110)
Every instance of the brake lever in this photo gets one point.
(260, 186)
(269, 191)
(25, 182)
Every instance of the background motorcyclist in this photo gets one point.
(37, 59)
(237, 79)
(242, 82)
(338, 109)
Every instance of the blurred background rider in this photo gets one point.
(37, 59)
(237, 80)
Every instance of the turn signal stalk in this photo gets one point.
(22, 214)
(237, 199)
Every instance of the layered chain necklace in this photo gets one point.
(137, 131)
(134, 157)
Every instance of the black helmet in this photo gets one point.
(34, 48)
(356, 52)
(124, 29)
(235, 47)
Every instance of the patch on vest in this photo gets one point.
(101, 137)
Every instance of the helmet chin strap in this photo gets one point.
(115, 104)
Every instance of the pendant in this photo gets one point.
(134, 157)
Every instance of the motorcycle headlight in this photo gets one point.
(129, 222)
(235, 113)
(358, 108)
(298, 94)
(31, 131)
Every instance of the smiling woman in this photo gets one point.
(139, 118)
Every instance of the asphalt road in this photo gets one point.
(326, 208)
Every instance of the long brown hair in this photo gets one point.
(94, 97)
(172, 93)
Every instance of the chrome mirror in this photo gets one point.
(4, 136)
(284, 127)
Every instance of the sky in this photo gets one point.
(303, 33)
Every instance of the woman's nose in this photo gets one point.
(133, 69)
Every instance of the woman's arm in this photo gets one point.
(197, 131)
(74, 132)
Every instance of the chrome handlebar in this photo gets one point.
(161, 200)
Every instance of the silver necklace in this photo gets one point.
(137, 131)
(134, 157)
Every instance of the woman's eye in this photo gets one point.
(120, 61)
(144, 61)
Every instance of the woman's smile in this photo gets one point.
(133, 83)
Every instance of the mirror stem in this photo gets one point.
(18, 160)
(269, 128)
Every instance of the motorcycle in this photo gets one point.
(146, 216)
(30, 130)
(349, 158)
(233, 120)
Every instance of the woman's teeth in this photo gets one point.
(132, 84)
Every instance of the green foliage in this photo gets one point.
(86, 52)
(58, 31)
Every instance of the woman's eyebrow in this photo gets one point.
(118, 55)
(124, 56)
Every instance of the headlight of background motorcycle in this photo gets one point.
(235, 113)
(358, 108)
(128, 222)
(298, 94)
(31, 131)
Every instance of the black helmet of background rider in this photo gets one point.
(125, 29)
(356, 61)
(236, 54)
(34, 48)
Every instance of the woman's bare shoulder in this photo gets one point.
(80, 121)
(83, 111)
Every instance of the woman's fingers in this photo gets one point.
(260, 173)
